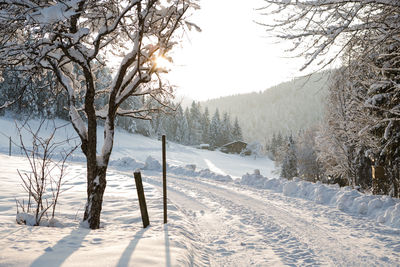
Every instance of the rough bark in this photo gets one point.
(96, 185)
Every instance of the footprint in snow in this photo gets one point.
(96, 240)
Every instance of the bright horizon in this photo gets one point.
(232, 54)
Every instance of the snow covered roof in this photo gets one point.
(234, 142)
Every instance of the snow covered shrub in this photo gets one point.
(253, 149)
(43, 182)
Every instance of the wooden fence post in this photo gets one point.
(142, 199)
(164, 167)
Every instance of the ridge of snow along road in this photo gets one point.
(382, 209)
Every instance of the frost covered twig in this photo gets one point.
(46, 174)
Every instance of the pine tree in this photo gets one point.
(143, 127)
(280, 148)
(205, 125)
(35, 95)
(279, 140)
(237, 131)
(170, 123)
(188, 121)
(226, 129)
(182, 128)
(125, 123)
(195, 124)
(274, 145)
(289, 164)
(215, 130)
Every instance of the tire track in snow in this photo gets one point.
(225, 239)
(253, 231)
(295, 236)
(372, 242)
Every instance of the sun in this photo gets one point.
(162, 62)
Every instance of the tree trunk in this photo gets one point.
(96, 171)
(96, 184)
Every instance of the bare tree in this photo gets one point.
(316, 26)
(72, 39)
(46, 174)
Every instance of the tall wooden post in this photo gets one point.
(164, 161)
(9, 148)
(142, 199)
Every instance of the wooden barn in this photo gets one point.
(235, 147)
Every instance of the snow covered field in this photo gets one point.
(215, 218)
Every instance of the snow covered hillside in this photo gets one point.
(138, 147)
(221, 213)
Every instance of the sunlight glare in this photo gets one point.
(162, 63)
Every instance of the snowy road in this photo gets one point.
(243, 226)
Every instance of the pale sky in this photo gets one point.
(231, 55)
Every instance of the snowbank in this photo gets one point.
(204, 173)
(127, 163)
(153, 164)
(383, 209)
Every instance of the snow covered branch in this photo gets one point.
(319, 26)
(75, 39)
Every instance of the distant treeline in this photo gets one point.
(193, 126)
(288, 107)
(40, 96)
